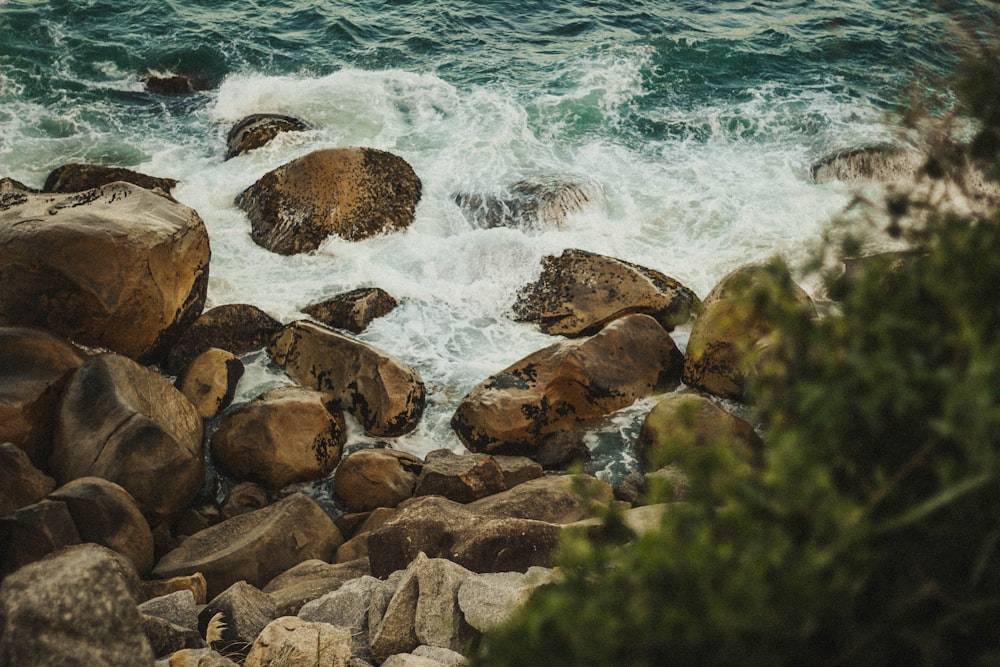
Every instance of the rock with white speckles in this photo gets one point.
(353, 193)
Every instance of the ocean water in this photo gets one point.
(693, 123)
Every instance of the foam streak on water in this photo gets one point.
(693, 124)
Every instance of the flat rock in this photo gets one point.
(77, 177)
(556, 499)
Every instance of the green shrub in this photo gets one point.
(872, 534)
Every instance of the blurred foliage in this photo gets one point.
(871, 536)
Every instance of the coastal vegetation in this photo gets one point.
(870, 533)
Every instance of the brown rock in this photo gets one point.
(174, 84)
(442, 528)
(690, 420)
(210, 380)
(458, 477)
(354, 193)
(258, 129)
(371, 478)
(242, 498)
(235, 327)
(352, 310)
(123, 422)
(731, 332)
(200, 657)
(255, 547)
(76, 177)
(557, 499)
(286, 435)
(567, 385)
(882, 163)
(579, 292)
(72, 609)
(166, 638)
(385, 395)
(33, 371)
(357, 547)
(195, 583)
(562, 449)
(32, 532)
(23, 483)
(117, 266)
(518, 470)
(105, 514)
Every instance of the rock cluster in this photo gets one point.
(116, 548)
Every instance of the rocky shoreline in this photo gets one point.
(118, 550)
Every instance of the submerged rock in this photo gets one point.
(76, 177)
(257, 130)
(526, 205)
(353, 193)
(884, 163)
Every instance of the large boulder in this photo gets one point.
(23, 483)
(234, 327)
(117, 266)
(256, 546)
(528, 205)
(884, 163)
(732, 331)
(487, 601)
(286, 435)
(385, 394)
(123, 422)
(234, 618)
(353, 193)
(105, 514)
(567, 385)
(556, 499)
(73, 609)
(76, 177)
(442, 528)
(33, 371)
(352, 310)
(290, 640)
(578, 292)
(692, 420)
(460, 477)
(257, 130)
(371, 478)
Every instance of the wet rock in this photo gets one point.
(23, 483)
(690, 420)
(291, 640)
(210, 380)
(33, 532)
(385, 395)
(174, 84)
(33, 371)
(117, 267)
(286, 435)
(73, 609)
(255, 547)
(123, 422)
(442, 528)
(371, 478)
(729, 334)
(567, 385)
(76, 177)
(578, 292)
(884, 163)
(459, 477)
(353, 193)
(257, 130)
(104, 513)
(557, 499)
(237, 328)
(352, 310)
(239, 614)
(527, 205)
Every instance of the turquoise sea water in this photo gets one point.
(694, 122)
